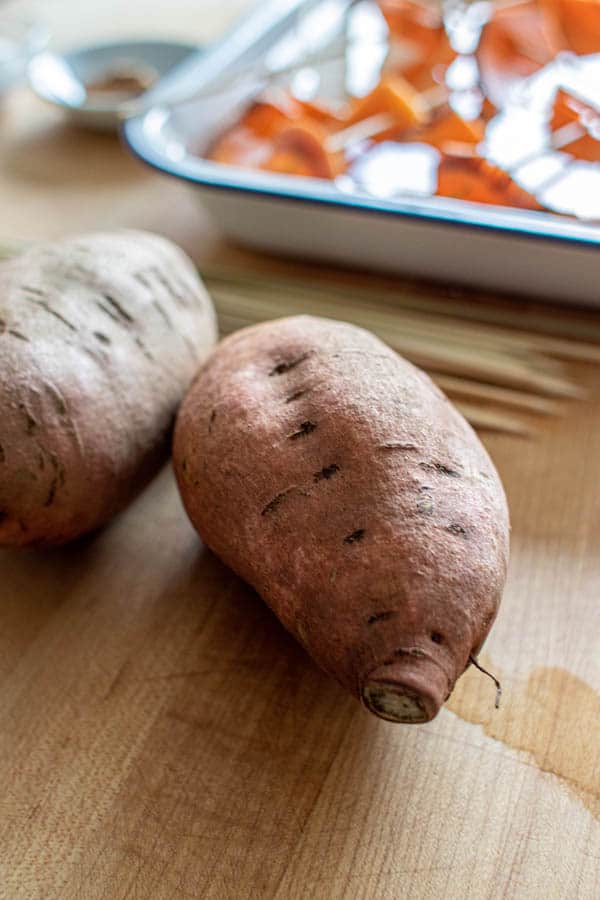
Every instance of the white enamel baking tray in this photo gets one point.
(542, 254)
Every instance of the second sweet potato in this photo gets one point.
(337, 480)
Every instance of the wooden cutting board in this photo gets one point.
(161, 736)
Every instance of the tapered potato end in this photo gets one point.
(411, 690)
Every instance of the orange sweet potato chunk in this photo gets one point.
(282, 134)
(450, 128)
(578, 22)
(469, 177)
(395, 97)
(300, 149)
(419, 28)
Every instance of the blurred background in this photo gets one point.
(69, 21)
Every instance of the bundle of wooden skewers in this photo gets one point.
(502, 363)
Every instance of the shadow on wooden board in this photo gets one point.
(247, 731)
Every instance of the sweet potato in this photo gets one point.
(336, 479)
(301, 149)
(449, 127)
(577, 21)
(467, 176)
(420, 47)
(395, 97)
(100, 337)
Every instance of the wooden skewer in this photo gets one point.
(375, 125)
(551, 321)
(491, 420)
(475, 390)
(497, 337)
(360, 131)
(435, 97)
(495, 369)
(560, 138)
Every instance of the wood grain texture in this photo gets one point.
(161, 736)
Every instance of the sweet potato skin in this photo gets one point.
(335, 478)
(100, 337)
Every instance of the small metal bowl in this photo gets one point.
(96, 85)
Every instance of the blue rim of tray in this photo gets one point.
(217, 176)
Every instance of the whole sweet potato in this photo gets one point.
(100, 337)
(335, 478)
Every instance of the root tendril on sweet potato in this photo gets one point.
(477, 665)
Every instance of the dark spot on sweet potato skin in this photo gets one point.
(399, 446)
(139, 342)
(440, 469)
(305, 428)
(33, 290)
(103, 338)
(57, 399)
(44, 305)
(295, 396)
(52, 492)
(436, 637)
(380, 617)
(274, 503)
(412, 651)
(283, 367)
(118, 308)
(30, 422)
(356, 536)
(2, 454)
(327, 472)
(458, 530)
(163, 314)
